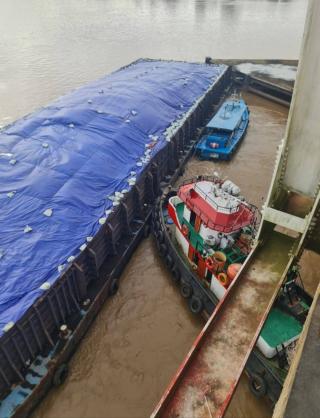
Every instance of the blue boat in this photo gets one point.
(225, 131)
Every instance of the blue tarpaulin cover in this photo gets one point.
(61, 167)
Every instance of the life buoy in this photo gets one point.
(233, 270)
(185, 230)
(223, 279)
(214, 145)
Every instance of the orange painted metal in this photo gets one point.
(197, 224)
(191, 253)
(201, 267)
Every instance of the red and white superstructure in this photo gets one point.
(213, 227)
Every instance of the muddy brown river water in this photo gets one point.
(48, 47)
(141, 336)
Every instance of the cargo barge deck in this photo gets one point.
(35, 350)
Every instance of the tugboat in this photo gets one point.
(204, 232)
(225, 130)
(213, 228)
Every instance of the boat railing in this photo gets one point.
(206, 196)
(227, 229)
(218, 207)
(213, 179)
(223, 228)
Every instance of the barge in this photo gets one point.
(78, 181)
(90, 217)
(203, 232)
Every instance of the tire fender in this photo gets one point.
(186, 289)
(114, 287)
(258, 385)
(146, 231)
(169, 261)
(176, 275)
(162, 249)
(196, 305)
(60, 374)
(156, 226)
(160, 237)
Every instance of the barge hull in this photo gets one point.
(32, 354)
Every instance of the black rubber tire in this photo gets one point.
(186, 290)
(169, 261)
(146, 230)
(257, 385)
(156, 226)
(162, 249)
(155, 215)
(176, 275)
(114, 287)
(171, 193)
(195, 305)
(160, 237)
(60, 374)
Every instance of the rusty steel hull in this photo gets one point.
(32, 354)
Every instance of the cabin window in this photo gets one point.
(192, 218)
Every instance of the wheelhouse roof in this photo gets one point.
(228, 116)
(211, 216)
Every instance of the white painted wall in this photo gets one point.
(186, 213)
(217, 288)
(182, 242)
(303, 128)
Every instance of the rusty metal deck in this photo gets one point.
(205, 382)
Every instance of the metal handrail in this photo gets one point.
(223, 228)
(208, 198)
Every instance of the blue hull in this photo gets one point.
(225, 139)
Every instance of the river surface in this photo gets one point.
(48, 47)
